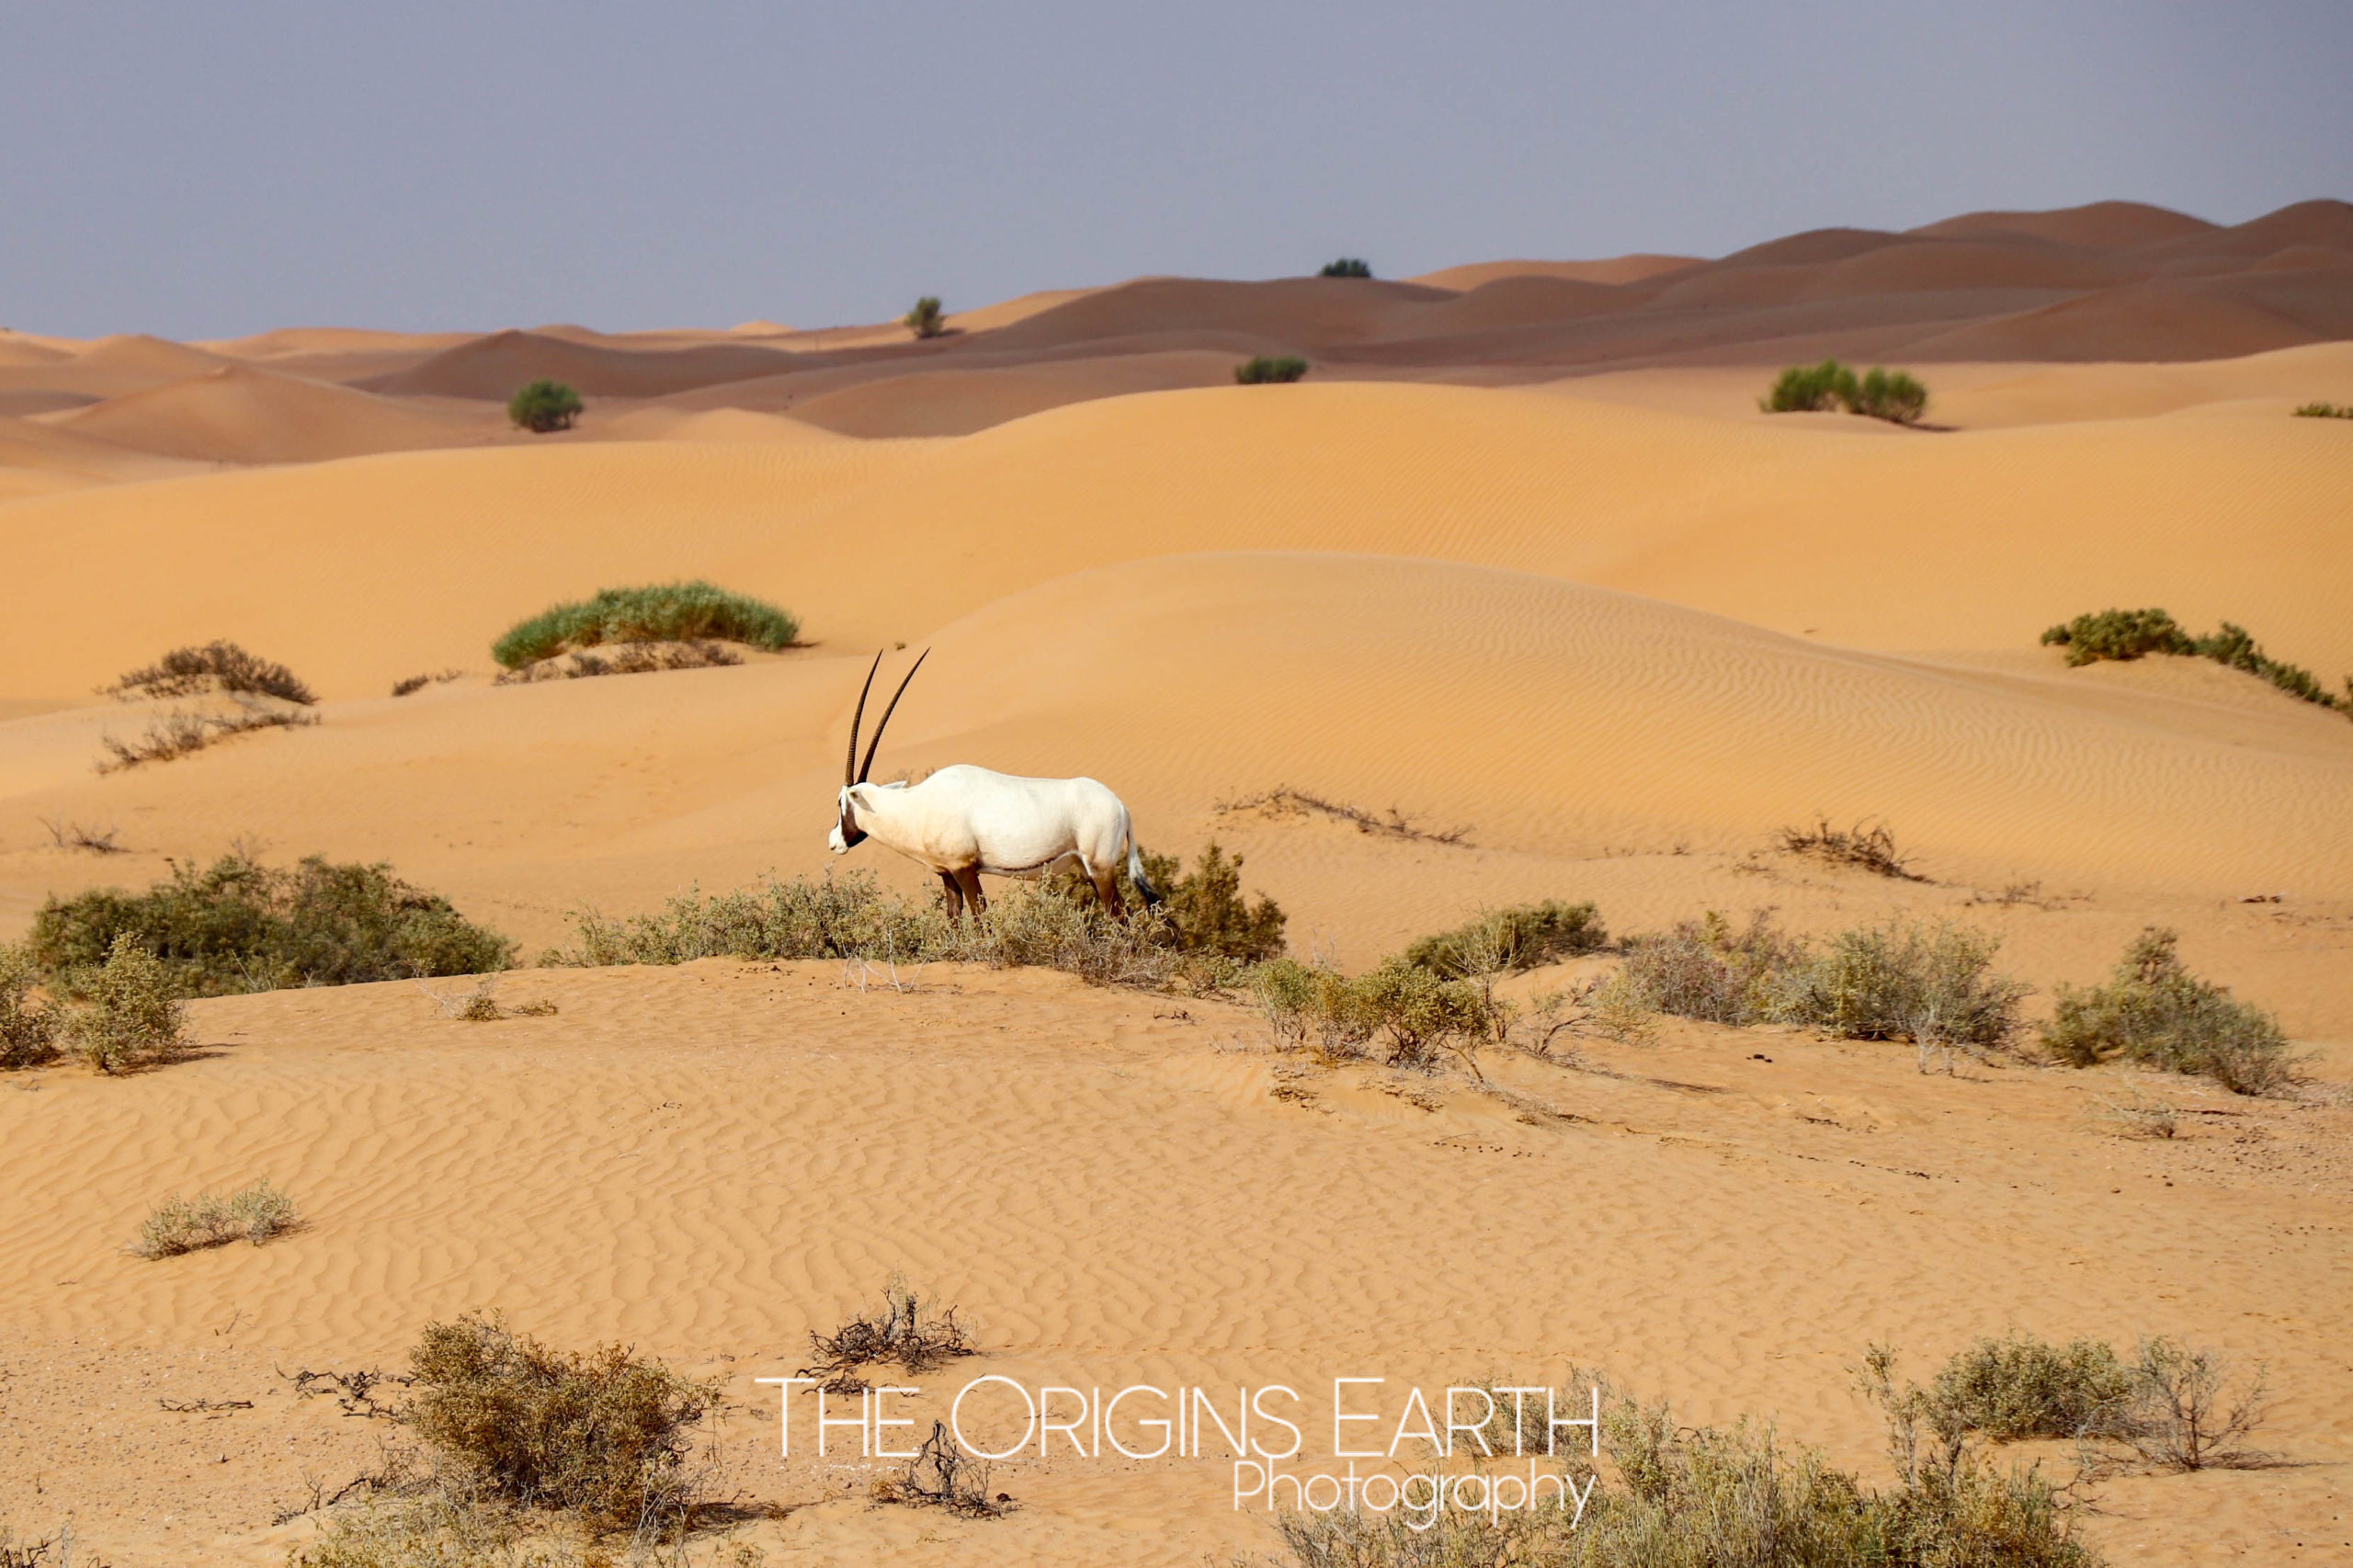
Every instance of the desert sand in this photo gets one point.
(1520, 558)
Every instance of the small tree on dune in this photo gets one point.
(1347, 267)
(544, 406)
(927, 320)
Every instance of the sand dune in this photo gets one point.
(2099, 226)
(1617, 270)
(493, 366)
(241, 414)
(958, 401)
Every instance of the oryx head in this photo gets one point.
(846, 833)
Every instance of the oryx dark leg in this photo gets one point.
(970, 880)
(1106, 880)
(955, 895)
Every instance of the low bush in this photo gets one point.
(2155, 1012)
(216, 666)
(1402, 1012)
(2325, 410)
(132, 1015)
(908, 1331)
(1265, 368)
(927, 320)
(1879, 393)
(1347, 267)
(253, 1213)
(1523, 936)
(2126, 634)
(2184, 1413)
(1932, 985)
(942, 1476)
(668, 612)
(2021, 1387)
(607, 1434)
(1206, 910)
(543, 406)
(241, 925)
(28, 1025)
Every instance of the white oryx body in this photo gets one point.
(963, 820)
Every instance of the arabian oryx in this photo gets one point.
(963, 820)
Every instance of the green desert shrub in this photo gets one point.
(1265, 368)
(1878, 393)
(253, 1213)
(605, 1435)
(132, 1015)
(2325, 410)
(1204, 910)
(2155, 1012)
(1347, 267)
(544, 406)
(2133, 633)
(925, 319)
(217, 667)
(239, 926)
(667, 612)
(1889, 394)
(827, 917)
(27, 1025)
(1933, 985)
(1524, 935)
(1809, 389)
(1404, 1012)
(2021, 1387)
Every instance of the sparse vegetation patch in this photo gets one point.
(419, 682)
(132, 1015)
(669, 612)
(914, 1334)
(28, 1024)
(1283, 801)
(178, 734)
(1860, 847)
(629, 659)
(2325, 410)
(239, 926)
(253, 1213)
(1265, 368)
(217, 667)
(2155, 1012)
(2125, 634)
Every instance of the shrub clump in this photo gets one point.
(2125, 634)
(241, 925)
(2021, 1387)
(1932, 985)
(605, 1435)
(2325, 410)
(916, 1334)
(2155, 1012)
(927, 320)
(1402, 1012)
(1265, 368)
(543, 406)
(1523, 936)
(668, 612)
(217, 667)
(1863, 848)
(28, 1027)
(1206, 910)
(1347, 267)
(132, 1015)
(1879, 393)
(253, 1213)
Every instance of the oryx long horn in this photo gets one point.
(850, 763)
(876, 744)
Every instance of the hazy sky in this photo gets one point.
(204, 170)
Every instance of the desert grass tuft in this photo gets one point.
(1520, 937)
(2324, 411)
(1284, 802)
(181, 734)
(2155, 1012)
(667, 612)
(253, 1213)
